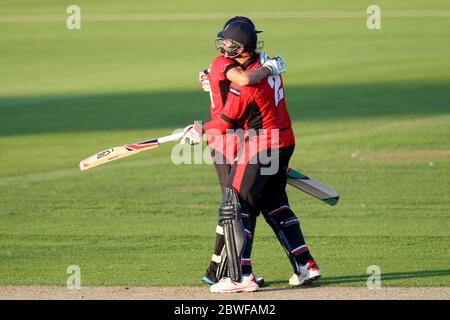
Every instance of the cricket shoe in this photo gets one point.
(226, 285)
(308, 273)
(209, 280)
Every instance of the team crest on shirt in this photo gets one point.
(235, 91)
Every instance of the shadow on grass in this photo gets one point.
(324, 281)
(175, 109)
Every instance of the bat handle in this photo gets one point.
(172, 137)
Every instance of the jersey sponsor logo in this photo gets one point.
(235, 91)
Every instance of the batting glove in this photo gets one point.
(276, 65)
(263, 57)
(203, 78)
(192, 134)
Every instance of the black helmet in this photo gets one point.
(241, 32)
(242, 19)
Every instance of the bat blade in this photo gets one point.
(312, 187)
(115, 153)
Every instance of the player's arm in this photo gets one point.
(270, 66)
(247, 77)
(234, 73)
(237, 75)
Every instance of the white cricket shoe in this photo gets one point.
(226, 285)
(308, 273)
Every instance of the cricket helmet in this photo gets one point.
(237, 37)
(242, 19)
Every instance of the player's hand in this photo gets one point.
(276, 65)
(192, 134)
(203, 78)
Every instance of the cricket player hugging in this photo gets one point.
(251, 165)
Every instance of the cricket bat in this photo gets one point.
(312, 187)
(126, 150)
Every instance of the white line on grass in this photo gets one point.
(226, 15)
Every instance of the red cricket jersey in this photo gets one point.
(260, 107)
(219, 84)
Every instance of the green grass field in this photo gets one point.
(371, 113)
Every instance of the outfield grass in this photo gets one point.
(371, 112)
